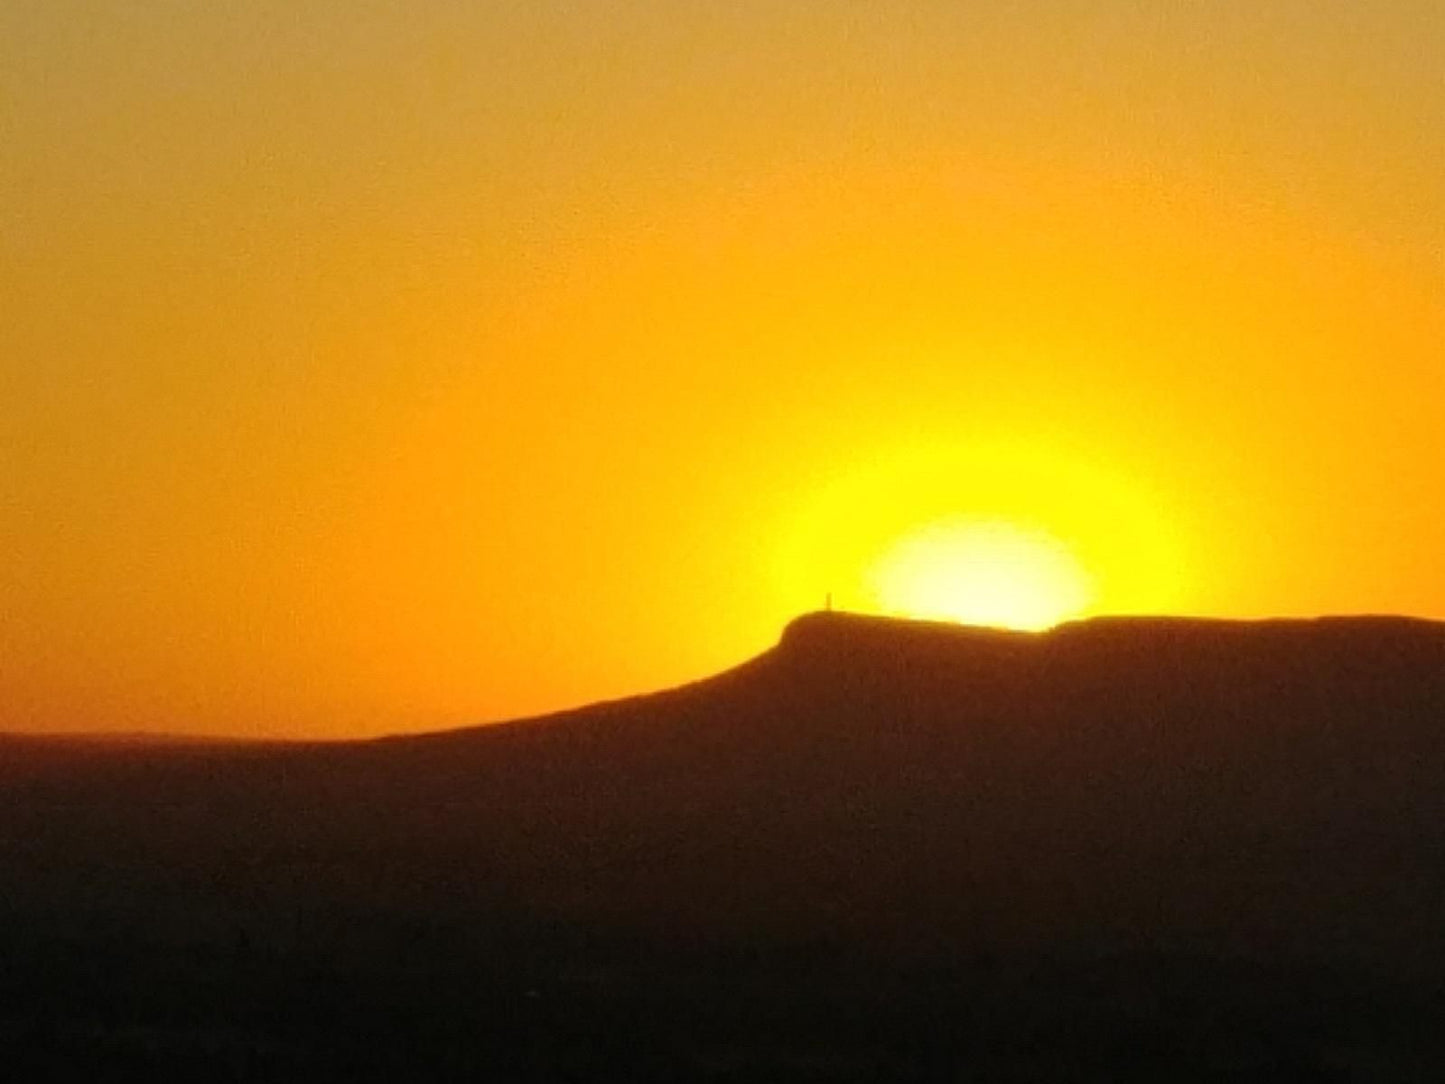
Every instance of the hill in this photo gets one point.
(1124, 848)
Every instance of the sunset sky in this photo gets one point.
(382, 365)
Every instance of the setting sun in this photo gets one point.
(982, 573)
(1019, 533)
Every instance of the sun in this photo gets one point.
(982, 572)
(1023, 532)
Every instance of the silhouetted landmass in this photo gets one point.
(1128, 849)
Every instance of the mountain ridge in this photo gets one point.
(871, 830)
(842, 639)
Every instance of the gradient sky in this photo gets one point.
(376, 365)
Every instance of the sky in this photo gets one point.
(381, 366)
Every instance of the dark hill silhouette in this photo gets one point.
(881, 848)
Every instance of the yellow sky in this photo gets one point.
(379, 366)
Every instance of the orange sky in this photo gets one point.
(385, 366)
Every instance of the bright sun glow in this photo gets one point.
(982, 573)
(1019, 532)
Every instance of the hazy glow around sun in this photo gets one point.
(1020, 531)
(982, 572)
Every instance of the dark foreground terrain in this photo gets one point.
(1124, 850)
